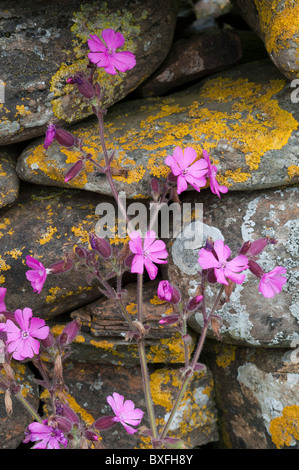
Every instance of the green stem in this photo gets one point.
(143, 364)
(25, 403)
(194, 361)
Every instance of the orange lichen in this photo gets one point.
(284, 429)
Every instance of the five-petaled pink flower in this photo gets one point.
(37, 275)
(21, 341)
(48, 437)
(125, 412)
(2, 296)
(218, 259)
(182, 166)
(212, 171)
(271, 283)
(152, 251)
(105, 55)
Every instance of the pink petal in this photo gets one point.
(170, 161)
(137, 264)
(113, 39)
(123, 60)
(129, 429)
(116, 402)
(181, 184)
(149, 240)
(135, 242)
(223, 251)
(151, 268)
(95, 44)
(219, 273)
(33, 263)
(23, 318)
(206, 259)
(98, 58)
(238, 264)
(38, 328)
(237, 278)
(189, 155)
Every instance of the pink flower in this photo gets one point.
(181, 166)
(48, 436)
(21, 341)
(37, 275)
(212, 171)
(105, 55)
(152, 251)
(223, 269)
(271, 283)
(164, 290)
(167, 292)
(2, 296)
(125, 412)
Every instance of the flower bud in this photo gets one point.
(255, 268)
(194, 303)
(49, 341)
(257, 246)
(245, 247)
(73, 172)
(104, 423)
(81, 252)
(69, 332)
(50, 136)
(169, 319)
(61, 266)
(100, 245)
(167, 292)
(84, 86)
(8, 402)
(65, 138)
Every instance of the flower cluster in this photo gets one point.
(189, 170)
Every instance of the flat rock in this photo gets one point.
(192, 58)
(257, 396)
(243, 117)
(248, 318)
(46, 223)
(44, 43)
(276, 24)
(9, 180)
(90, 384)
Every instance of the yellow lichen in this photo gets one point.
(279, 26)
(226, 355)
(284, 429)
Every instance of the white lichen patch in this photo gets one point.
(272, 393)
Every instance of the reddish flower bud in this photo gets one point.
(69, 333)
(255, 268)
(50, 136)
(73, 172)
(169, 319)
(194, 303)
(49, 341)
(104, 423)
(61, 266)
(167, 292)
(245, 247)
(84, 86)
(65, 138)
(100, 245)
(81, 252)
(257, 246)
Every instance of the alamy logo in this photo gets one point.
(295, 93)
(2, 92)
(166, 220)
